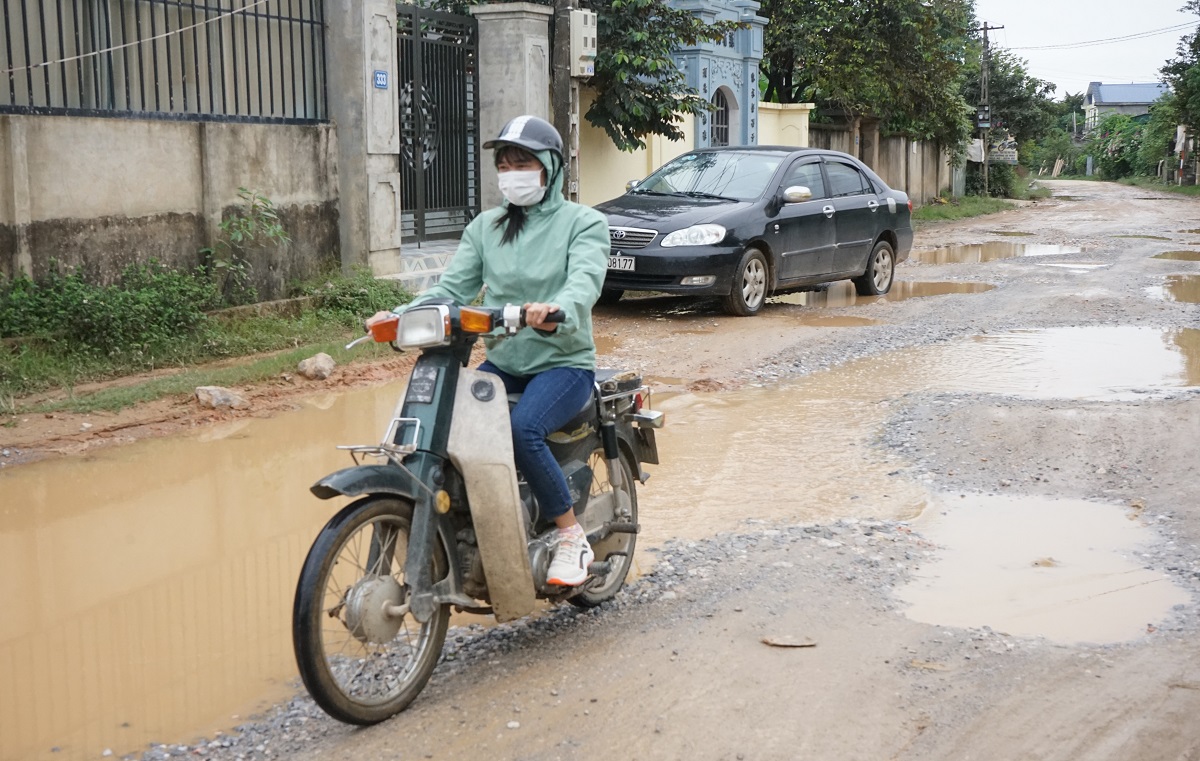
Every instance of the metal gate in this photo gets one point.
(439, 122)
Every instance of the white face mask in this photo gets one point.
(522, 188)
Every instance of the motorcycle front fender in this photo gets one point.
(366, 479)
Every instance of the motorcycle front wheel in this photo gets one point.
(606, 504)
(360, 658)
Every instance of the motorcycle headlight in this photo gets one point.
(696, 235)
(423, 326)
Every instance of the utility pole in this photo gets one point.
(984, 114)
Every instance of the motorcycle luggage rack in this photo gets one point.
(389, 448)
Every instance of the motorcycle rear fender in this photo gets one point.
(366, 479)
(480, 446)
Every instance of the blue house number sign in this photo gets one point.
(381, 78)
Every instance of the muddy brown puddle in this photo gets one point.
(1181, 288)
(1022, 566)
(842, 294)
(978, 253)
(1180, 256)
(157, 578)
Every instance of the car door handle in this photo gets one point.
(872, 205)
(827, 211)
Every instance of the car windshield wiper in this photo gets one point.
(640, 191)
(702, 194)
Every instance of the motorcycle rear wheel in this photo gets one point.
(361, 665)
(604, 505)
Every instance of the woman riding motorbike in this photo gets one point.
(548, 254)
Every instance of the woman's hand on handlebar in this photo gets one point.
(377, 317)
(537, 316)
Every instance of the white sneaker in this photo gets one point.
(571, 560)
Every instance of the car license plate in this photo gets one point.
(624, 263)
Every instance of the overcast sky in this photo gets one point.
(1035, 23)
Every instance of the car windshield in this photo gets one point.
(729, 175)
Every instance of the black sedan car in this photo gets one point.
(745, 222)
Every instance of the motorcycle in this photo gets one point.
(443, 519)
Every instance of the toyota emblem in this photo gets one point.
(617, 234)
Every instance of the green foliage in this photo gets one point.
(1115, 144)
(150, 307)
(350, 299)
(1055, 144)
(640, 91)
(959, 208)
(1182, 73)
(254, 224)
(900, 61)
(1002, 181)
(70, 331)
(1021, 104)
(1158, 135)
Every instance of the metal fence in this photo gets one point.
(224, 60)
(439, 122)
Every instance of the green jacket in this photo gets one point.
(560, 258)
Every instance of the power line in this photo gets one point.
(1110, 40)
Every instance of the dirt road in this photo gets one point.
(975, 501)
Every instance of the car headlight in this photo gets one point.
(696, 235)
(423, 326)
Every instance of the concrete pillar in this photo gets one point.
(19, 211)
(361, 70)
(514, 74)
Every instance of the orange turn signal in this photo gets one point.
(384, 331)
(475, 320)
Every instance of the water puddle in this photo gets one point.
(833, 321)
(1023, 566)
(987, 252)
(1181, 256)
(1066, 198)
(607, 344)
(159, 605)
(1074, 266)
(1194, 231)
(1010, 233)
(842, 294)
(1142, 237)
(1181, 288)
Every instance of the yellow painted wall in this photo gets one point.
(784, 123)
(604, 169)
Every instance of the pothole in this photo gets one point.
(1181, 256)
(1074, 266)
(986, 252)
(842, 294)
(1182, 288)
(1142, 237)
(1067, 570)
(1010, 233)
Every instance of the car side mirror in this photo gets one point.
(797, 194)
(632, 184)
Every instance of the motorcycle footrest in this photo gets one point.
(623, 528)
(599, 568)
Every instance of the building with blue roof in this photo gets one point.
(1131, 99)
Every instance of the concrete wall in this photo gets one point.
(604, 169)
(784, 124)
(102, 193)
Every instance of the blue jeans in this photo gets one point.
(548, 400)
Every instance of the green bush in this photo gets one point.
(351, 299)
(1002, 180)
(150, 306)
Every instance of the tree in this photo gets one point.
(1021, 104)
(640, 91)
(1182, 73)
(1115, 144)
(1158, 134)
(898, 60)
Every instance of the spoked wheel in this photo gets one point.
(881, 269)
(362, 656)
(749, 285)
(606, 504)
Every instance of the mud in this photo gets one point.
(805, 470)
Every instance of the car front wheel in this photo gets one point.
(881, 269)
(749, 285)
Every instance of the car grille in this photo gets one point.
(634, 282)
(628, 238)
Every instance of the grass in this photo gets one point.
(960, 208)
(1154, 184)
(59, 359)
(185, 382)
